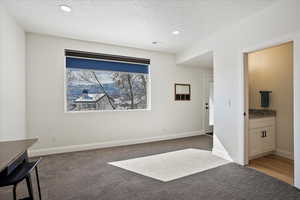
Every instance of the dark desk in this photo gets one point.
(12, 155)
(10, 151)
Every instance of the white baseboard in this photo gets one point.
(222, 154)
(84, 147)
(285, 154)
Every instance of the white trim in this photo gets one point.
(222, 154)
(284, 153)
(245, 99)
(16, 139)
(259, 46)
(104, 111)
(84, 147)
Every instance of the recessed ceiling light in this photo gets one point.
(65, 8)
(176, 32)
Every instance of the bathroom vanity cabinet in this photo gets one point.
(262, 138)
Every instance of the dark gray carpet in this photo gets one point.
(87, 176)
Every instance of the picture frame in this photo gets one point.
(182, 92)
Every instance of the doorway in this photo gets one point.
(269, 110)
(205, 63)
(209, 104)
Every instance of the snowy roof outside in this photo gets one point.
(90, 98)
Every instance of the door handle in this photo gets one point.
(264, 134)
(206, 106)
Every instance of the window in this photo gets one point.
(97, 82)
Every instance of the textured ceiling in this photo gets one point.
(134, 23)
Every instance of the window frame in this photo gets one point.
(148, 108)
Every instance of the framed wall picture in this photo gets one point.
(182, 92)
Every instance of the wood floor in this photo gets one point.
(276, 166)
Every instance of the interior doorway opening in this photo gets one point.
(209, 105)
(204, 64)
(269, 111)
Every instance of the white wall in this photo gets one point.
(279, 23)
(59, 131)
(12, 78)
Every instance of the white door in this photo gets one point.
(261, 140)
(269, 139)
(208, 104)
(255, 142)
(211, 104)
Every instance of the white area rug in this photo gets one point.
(172, 165)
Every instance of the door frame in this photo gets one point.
(245, 93)
(209, 77)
